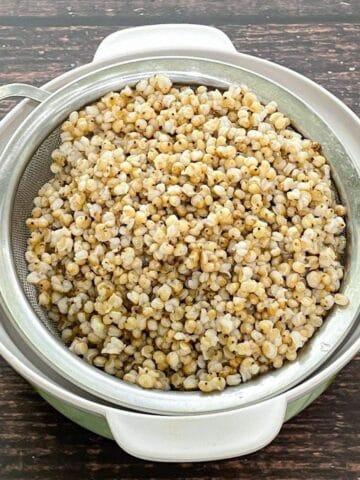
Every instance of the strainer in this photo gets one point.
(24, 167)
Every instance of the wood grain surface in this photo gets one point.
(319, 38)
(138, 12)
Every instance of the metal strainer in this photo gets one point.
(24, 167)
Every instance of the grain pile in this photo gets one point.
(189, 239)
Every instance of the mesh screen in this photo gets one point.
(36, 173)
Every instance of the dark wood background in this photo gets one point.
(44, 38)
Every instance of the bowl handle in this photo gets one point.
(178, 36)
(195, 438)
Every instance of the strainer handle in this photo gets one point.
(23, 90)
(194, 438)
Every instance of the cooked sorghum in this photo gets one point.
(189, 238)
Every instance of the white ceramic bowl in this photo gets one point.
(210, 426)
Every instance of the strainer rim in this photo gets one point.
(119, 384)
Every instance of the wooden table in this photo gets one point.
(42, 39)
